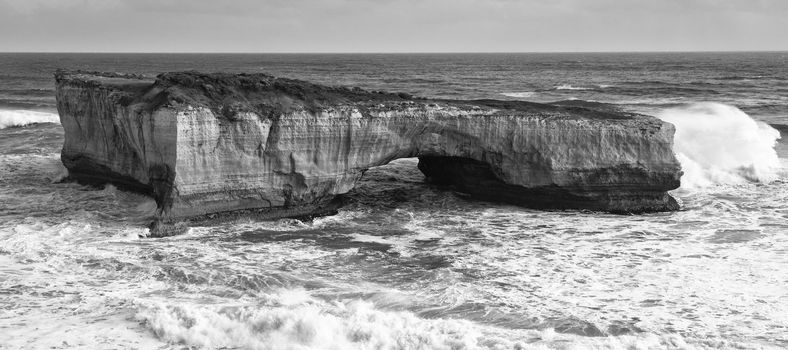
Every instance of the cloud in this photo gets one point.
(394, 25)
(32, 7)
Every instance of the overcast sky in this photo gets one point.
(392, 25)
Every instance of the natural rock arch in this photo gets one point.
(207, 144)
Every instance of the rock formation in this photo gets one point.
(208, 144)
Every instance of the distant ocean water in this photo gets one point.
(405, 265)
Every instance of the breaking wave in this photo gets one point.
(720, 144)
(303, 323)
(10, 118)
(523, 94)
(292, 319)
(570, 87)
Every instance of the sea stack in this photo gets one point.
(210, 145)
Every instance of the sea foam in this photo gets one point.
(9, 118)
(720, 144)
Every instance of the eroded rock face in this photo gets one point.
(205, 144)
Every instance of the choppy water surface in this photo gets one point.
(404, 265)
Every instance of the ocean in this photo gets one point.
(405, 265)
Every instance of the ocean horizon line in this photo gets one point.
(390, 52)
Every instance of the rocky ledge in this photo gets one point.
(205, 145)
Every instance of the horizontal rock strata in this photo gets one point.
(205, 144)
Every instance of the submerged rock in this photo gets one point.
(251, 144)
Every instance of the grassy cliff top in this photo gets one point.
(228, 94)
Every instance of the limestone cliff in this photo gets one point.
(204, 144)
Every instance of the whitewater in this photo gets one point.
(433, 271)
(405, 265)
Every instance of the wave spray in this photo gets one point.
(11, 118)
(720, 144)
